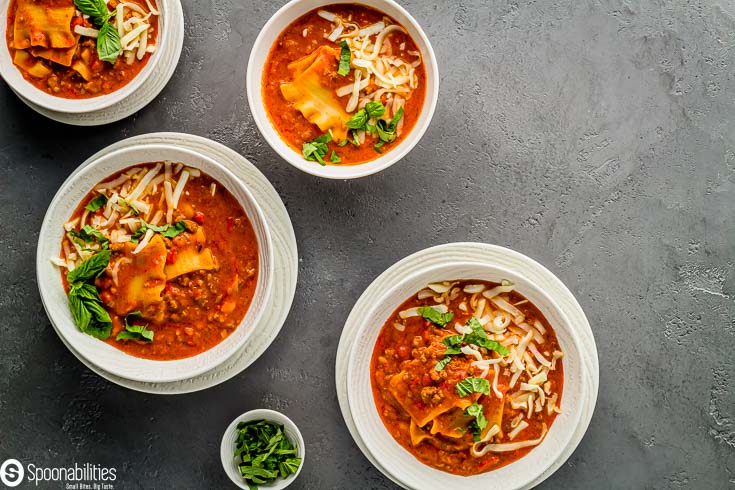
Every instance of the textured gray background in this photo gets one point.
(594, 136)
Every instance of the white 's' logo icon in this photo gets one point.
(11, 473)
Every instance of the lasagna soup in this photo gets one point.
(343, 84)
(467, 376)
(159, 261)
(81, 48)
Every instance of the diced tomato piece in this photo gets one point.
(168, 287)
(171, 256)
(199, 217)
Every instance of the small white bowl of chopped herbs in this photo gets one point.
(262, 449)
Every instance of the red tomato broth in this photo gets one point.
(397, 352)
(292, 45)
(64, 81)
(193, 320)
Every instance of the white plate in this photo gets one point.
(285, 259)
(103, 355)
(587, 366)
(159, 76)
(259, 54)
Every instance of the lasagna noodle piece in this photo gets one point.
(141, 280)
(191, 257)
(425, 413)
(47, 26)
(62, 56)
(317, 103)
(452, 422)
(31, 65)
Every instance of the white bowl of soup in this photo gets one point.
(58, 57)
(154, 263)
(342, 89)
(466, 375)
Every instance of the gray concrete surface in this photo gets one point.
(594, 136)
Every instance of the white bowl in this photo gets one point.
(54, 299)
(397, 461)
(259, 54)
(229, 439)
(13, 77)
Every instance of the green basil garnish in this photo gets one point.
(440, 319)
(473, 385)
(109, 45)
(96, 203)
(84, 299)
(135, 332)
(344, 59)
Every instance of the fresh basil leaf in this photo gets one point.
(96, 203)
(96, 9)
(480, 422)
(100, 325)
(109, 44)
(168, 231)
(394, 121)
(453, 343)
(334, 158)
(317, 149)
(359, 120)
(88, 234)
(384, 133)
(342, 143)
(490, 345)
(453, 340)
(375, 109)
(344, 59)
(479, 337)
(473, 385)
(435, 317)
(79, 312)
(136, 332)
(355, 139)
(90, 269)
(442, 364)
(377, 146)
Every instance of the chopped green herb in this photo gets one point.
(334, 158)
(473, 385)
(87, 235)
(135, 332)
(317, 149)
(479, 338)
(96, 203)
(168, 231)
(377, 146)
(264, 453)
(442, 364)
(344, 59)
(342, 143)
(84, 299)
(453, 343)
(435, 317)
(359, 120)
(480, 422)
(375, 109)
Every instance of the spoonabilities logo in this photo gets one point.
(11, 473)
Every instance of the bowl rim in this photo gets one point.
(227, 446)
(17, 82)
(565, 325)
(253, 84)
(179, 369)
